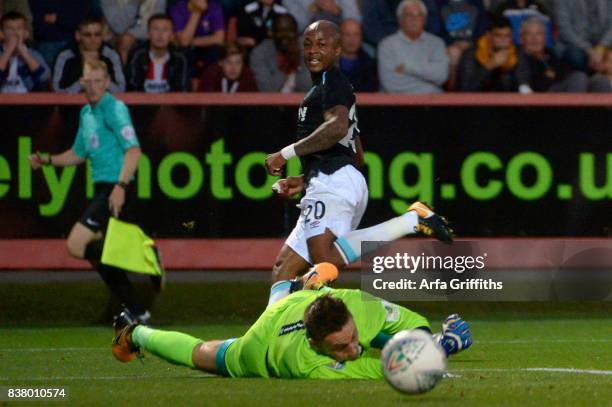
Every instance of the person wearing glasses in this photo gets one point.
(89, 46)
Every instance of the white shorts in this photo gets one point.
(333, 201)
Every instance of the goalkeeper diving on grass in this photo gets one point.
(313, 333)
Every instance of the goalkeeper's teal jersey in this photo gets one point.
(105, 132)
(276, 345)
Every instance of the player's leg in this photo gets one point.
(175, 347)
(333, 208)
(347, 248)
(288, 265)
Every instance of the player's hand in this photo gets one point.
(400, 69)
(288, 187)
(275, 163)
(36, 160)
(116, 200)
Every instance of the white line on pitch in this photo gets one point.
(50, 349)
(13, 379)
(541, 369)
(519, 341)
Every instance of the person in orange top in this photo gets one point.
(491, 64)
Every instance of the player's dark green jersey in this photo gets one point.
(276, 345)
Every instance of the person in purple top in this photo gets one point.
(199, 24)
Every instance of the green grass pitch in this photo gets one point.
(512, 363)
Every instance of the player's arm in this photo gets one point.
(65, 159)
(398, 319)
(332, 130)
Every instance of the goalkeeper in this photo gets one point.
(324, 334)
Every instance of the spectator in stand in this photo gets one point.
(255, 21)
(308, 11)
(412, 60)
(380, 20)
(20, 6)
(22, 69)
(55, 22)
(200, 24)
(231, 74)
(158, 67)
(602, 82)
(539, 69)
(585, 30)
(518, 11)
(491, 65)
(355, 63)
(463, 22)
(277, 62)
(127, 20)
(88, 46)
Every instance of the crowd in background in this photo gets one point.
(393, 46)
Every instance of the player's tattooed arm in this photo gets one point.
(325, 136)
(333, 129)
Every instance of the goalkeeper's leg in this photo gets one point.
(175, 347)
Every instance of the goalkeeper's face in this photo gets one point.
(342, 345)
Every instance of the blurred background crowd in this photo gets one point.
(392, 46)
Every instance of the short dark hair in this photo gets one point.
(232, 48)
(159, 16)
(90, 20)
(279, 17)
(499, 21)
(12, 16)
(324, 316)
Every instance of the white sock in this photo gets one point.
(349, 245)
(278, 291)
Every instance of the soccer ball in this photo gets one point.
(413, 362)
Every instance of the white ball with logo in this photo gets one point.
(413, 362)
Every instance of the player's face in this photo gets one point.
(95, 82)
(232, 66)
(321, 50)
(344, 344)
(160, 33)
(533, 38)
